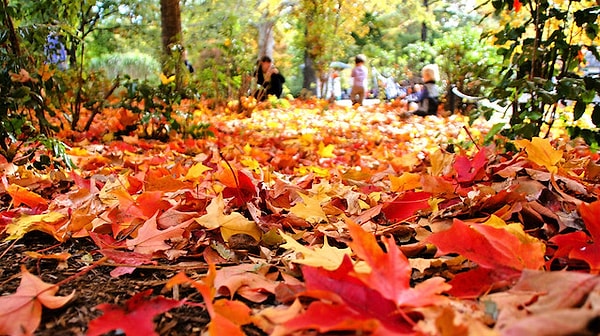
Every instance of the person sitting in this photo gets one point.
(428, 94)
(269, 79)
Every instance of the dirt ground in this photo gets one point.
(95, 287)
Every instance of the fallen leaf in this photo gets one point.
(468, 170)
(390, 272)
(22, 311)
(548, 303)
(406, 205)
(133, 319)
(150, 239)
(541, 152)
(21, 195)
(309, 209)
(48, 223)
(500, 253)
(230, 224)
(326, 256)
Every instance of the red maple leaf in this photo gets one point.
(500, 254)
(406, 205)
(578, 245)
(379, 301)
(135, 318)
(356, 301)
(468, 170)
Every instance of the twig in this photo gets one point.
(471, 137)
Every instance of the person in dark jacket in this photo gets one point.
(269, 79)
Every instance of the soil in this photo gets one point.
(95, 287)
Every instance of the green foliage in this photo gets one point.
(157, 106)
(540, 71)
(467, 61)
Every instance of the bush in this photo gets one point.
(133, 64)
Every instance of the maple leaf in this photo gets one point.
(353, 303)
(541, 152)
(548, 303)
(247, 280)
(150, 239)
(406, 205)
(196, 171)
(47, 223)
(391, 272)
(501, 253)
(22, 311)
(226, 317)
(22, 195)
(326, 151)
(326, 256)
(230, 224)
(310, 209)
(469, 170)
(135, 318)
(123, 257)
(406, 181)
(239, 186)
(578, 245)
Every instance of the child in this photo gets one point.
(428, 95)
(359, 80)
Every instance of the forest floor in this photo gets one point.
(352, 159)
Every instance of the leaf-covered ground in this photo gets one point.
(305, 218)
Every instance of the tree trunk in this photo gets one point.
(309, 83)
(170, 16)
(266, 40)
(424, 25)
(12, 35)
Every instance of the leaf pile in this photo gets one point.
(327, 218)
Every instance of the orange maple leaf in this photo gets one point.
(22, 311)
(391, 272)
(21, 195)
(227, 316)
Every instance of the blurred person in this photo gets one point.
(268, 79)
(359, 80)
(427, 95)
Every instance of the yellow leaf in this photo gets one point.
(406, 181)
(328, 257)
(251, 163)
(230, 224)
(236, 223)
(196, 171)
(326, 151)
(114, 190)
(515, 229)
(310, 210)
(166, 80)
(27, 223)
(540, 151)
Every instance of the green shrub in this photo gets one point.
(133, 64)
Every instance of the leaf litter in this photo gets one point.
(306, 218)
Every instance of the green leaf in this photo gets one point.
(596, 115)
(578, 110)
